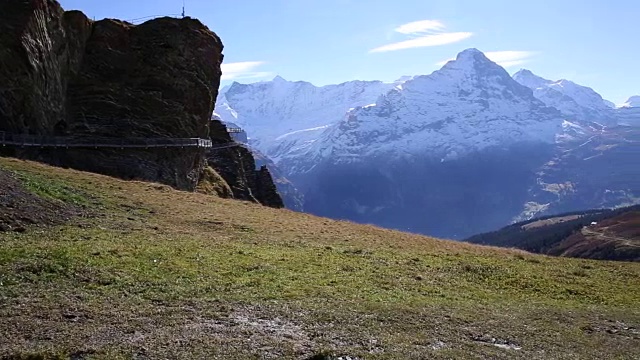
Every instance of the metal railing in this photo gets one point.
(234, 130)
(143, 19)
(99, 142)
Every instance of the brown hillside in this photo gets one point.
(616, 238)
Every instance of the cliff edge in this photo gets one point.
(69, 79)
(132, 101)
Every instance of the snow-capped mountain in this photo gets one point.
(576, 102)
(464, 150)
(284, 117)
(450, 150)
(470, 104)
(629, 113)
(632, 102)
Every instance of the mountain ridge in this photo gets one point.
(435, 100)
(574, 101)
(283, 116)
(411, 146)
(603, 234)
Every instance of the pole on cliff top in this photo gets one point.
(183, 8)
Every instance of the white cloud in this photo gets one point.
(420, 27)
(243, 70)
(424, 41)
(425, 33)
(504, 58)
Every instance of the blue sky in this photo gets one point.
(591, 42)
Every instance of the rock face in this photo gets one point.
(293, 199)
(34, 64)
(629, 116)
(236, 165)
(64, 75)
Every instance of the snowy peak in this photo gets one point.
(471, 55)
(470, 104)
(584, 96)
(473, 61)
(472, 76)
(574, 101)
(282, 117)
(530, 80)
(632, 102)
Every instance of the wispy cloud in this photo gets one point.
(424, 33)
(420, 27)
(243, 70)
(505, 59)
(424, 41)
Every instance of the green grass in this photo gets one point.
(51, 188)
(167, 274)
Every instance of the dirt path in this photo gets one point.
(586, 231)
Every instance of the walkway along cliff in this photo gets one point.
(63, 76)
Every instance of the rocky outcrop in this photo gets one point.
(237, 167)
(293, 199)
(64, 75)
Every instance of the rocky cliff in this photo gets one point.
(292, 198)
(66, 76)
(237, 166)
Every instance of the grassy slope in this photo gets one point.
(167, 274)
